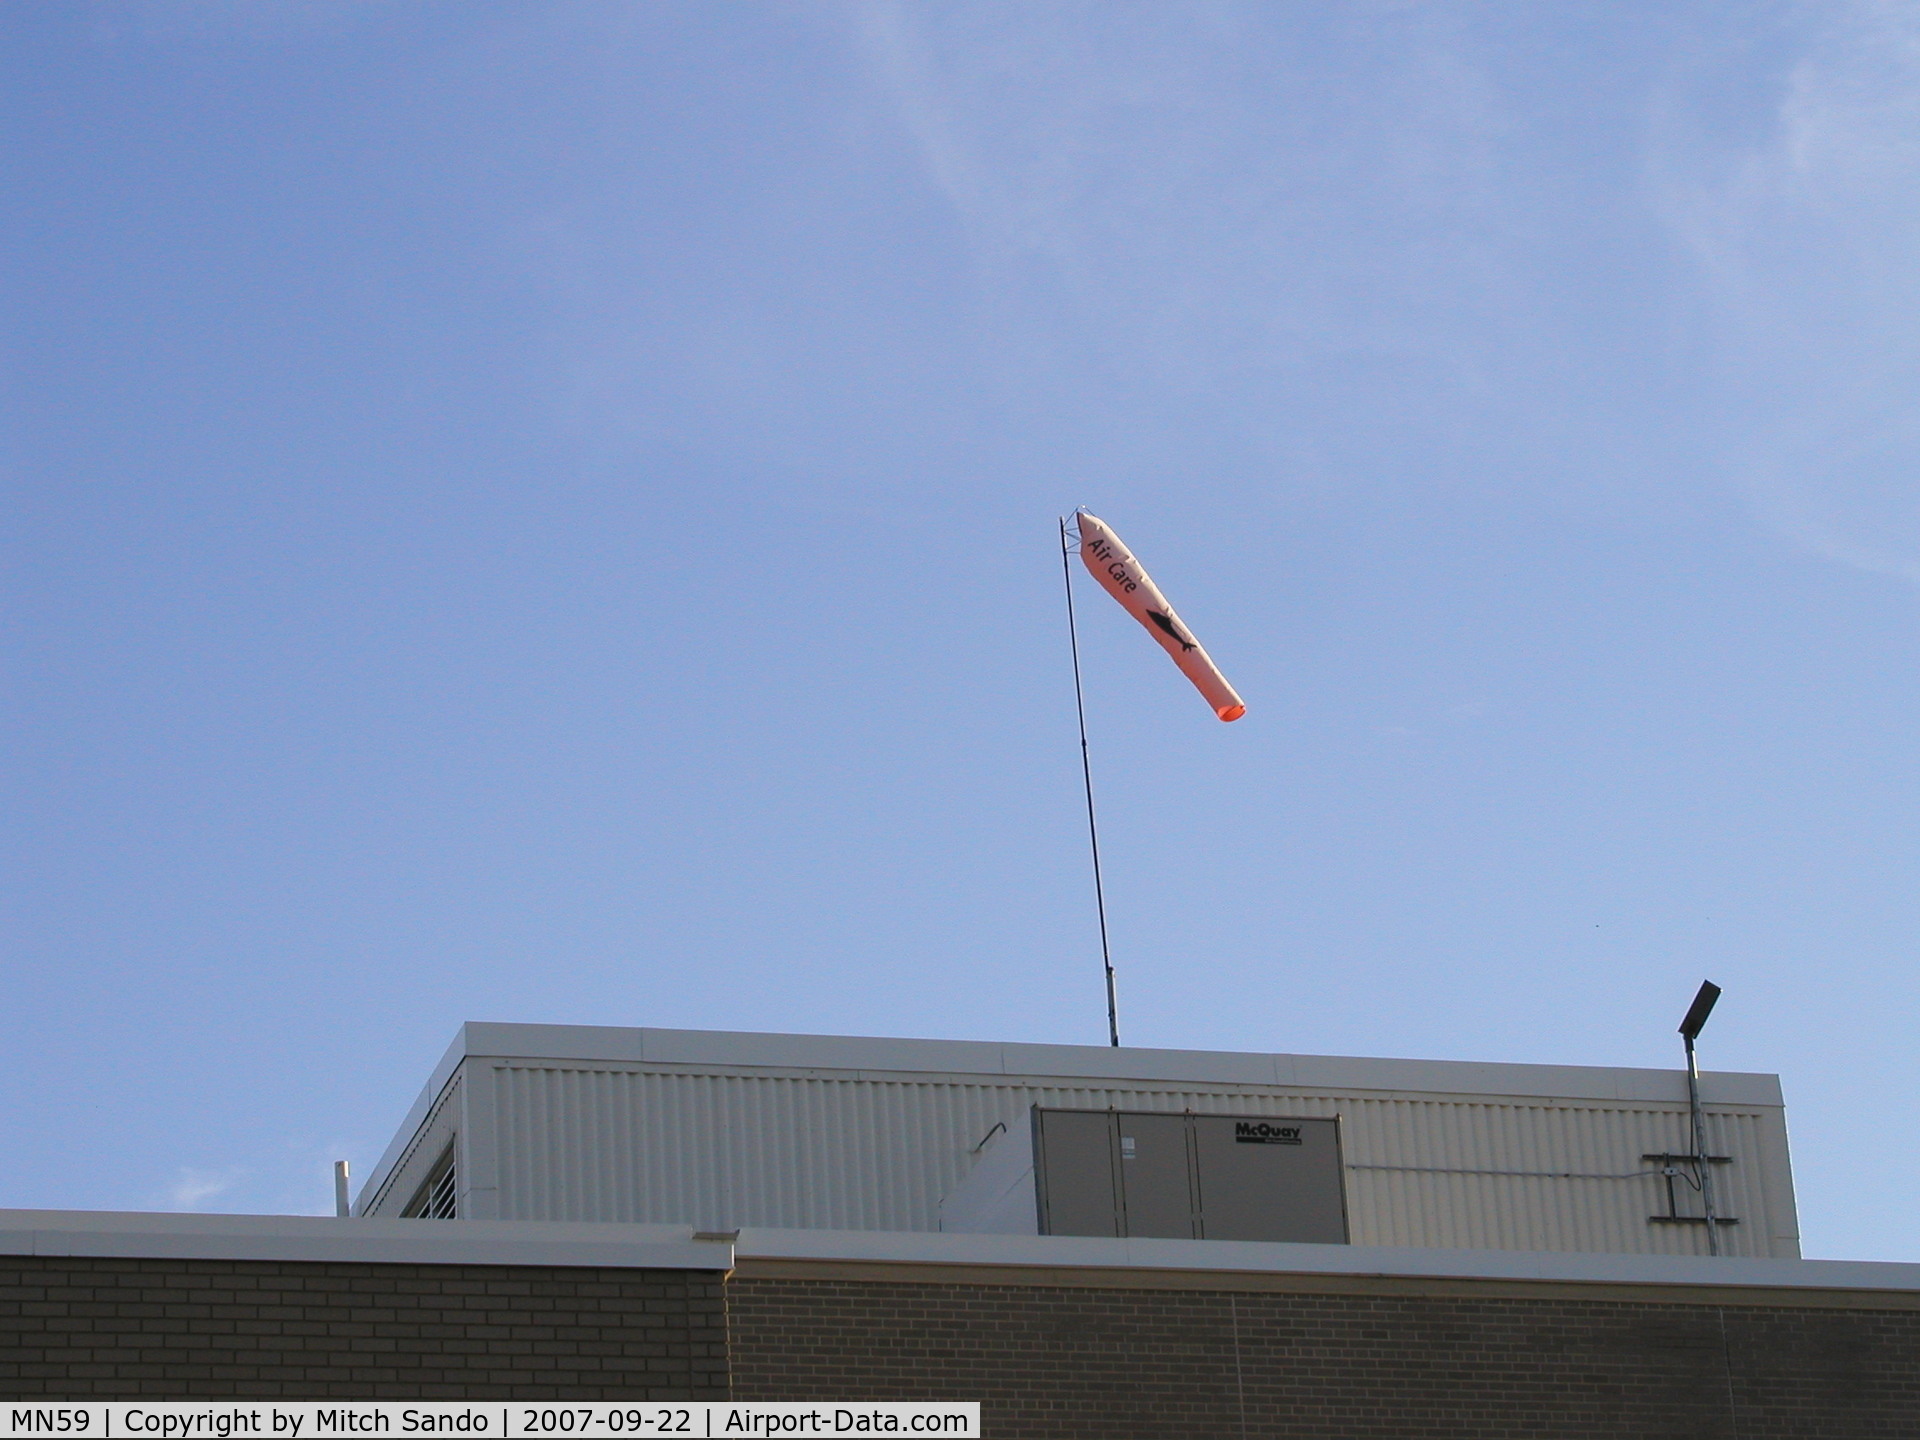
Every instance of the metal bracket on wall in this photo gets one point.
(1670, 1171)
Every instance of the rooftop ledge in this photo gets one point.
(733, 1049)
(133, 1234)
(879, 1255)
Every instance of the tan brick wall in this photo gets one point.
(1116, 1362)
(1109, 1358)
(99, 1328)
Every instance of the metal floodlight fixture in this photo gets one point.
(1697, 1013)
(1701, 1160)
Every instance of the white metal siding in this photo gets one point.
(843, 1151)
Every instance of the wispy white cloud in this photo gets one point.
(1807, 241)
(294, 1177)
(1229, 198)
(191, 1189)
(1272, 213)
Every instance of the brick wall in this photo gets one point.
(100, 1328)
(1062, 1361)
(1112, 1356)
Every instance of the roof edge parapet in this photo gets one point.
(137, 1235)
(1008, 1060)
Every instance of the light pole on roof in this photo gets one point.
(1690, 1028)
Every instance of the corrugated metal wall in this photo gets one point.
(866, 1152)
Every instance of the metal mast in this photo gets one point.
(1086, 774)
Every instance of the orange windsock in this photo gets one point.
(1124, 578)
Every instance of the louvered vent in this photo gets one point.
(437, 1197)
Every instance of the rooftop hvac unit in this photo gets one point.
(1169, 1176)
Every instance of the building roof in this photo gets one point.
(987, 1259)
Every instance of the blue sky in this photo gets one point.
(546, 512)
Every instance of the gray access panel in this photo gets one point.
(1074, 1154)
(1156, 1175)
(1188, 1177)
(1263, 1179)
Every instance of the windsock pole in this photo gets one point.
(1086, 774)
